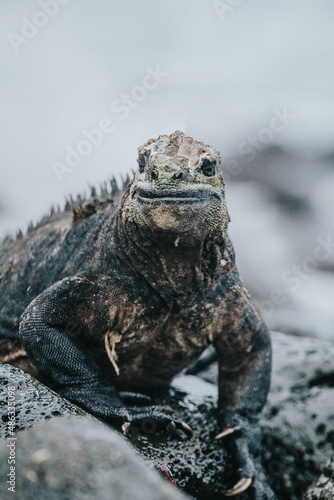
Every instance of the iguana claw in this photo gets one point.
(171, 428)
(166, 473)
(125, 428)
(240, 487)
(228, 431)
(187, 429)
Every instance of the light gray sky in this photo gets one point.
(224, 71)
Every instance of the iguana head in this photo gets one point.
(178, 189)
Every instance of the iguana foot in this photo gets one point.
(251, 488)
(106, 403)
(256, 488)
(244, 483)
(243, 443)
(152, 420)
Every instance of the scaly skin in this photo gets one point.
(111, 297)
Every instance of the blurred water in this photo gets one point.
(225, 77)
(225, 74)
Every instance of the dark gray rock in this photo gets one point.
(298, 420)
(299, 417)
(78, 459)
(323, 487)
(33, 401)
(298, 423)
(196, 464)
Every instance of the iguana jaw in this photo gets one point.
(197, 196)
(171, 212)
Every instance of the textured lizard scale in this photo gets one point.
(121, 291)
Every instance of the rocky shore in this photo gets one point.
(298, 435)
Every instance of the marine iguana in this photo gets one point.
(120, 295)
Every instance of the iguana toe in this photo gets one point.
(239, 487)
(187, 429)
(135, 398)
(152, 422)
(227, 432)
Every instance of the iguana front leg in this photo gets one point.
(50, 330)
(244, 352)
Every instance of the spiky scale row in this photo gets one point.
(81, 205)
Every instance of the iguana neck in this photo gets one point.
(174, 266)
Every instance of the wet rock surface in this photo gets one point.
(298, 421)
(196, 464)
(323, 487)
(79, 459)
(33, 401)
(299, 416)
(199, 465)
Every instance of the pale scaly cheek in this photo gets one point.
(164, 220)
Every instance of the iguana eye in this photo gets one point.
(208, 167)
(154, 174)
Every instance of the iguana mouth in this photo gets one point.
(199, 196)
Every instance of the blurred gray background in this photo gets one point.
(254, 79)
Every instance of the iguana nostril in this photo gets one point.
(179, 176)
(154, 175)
